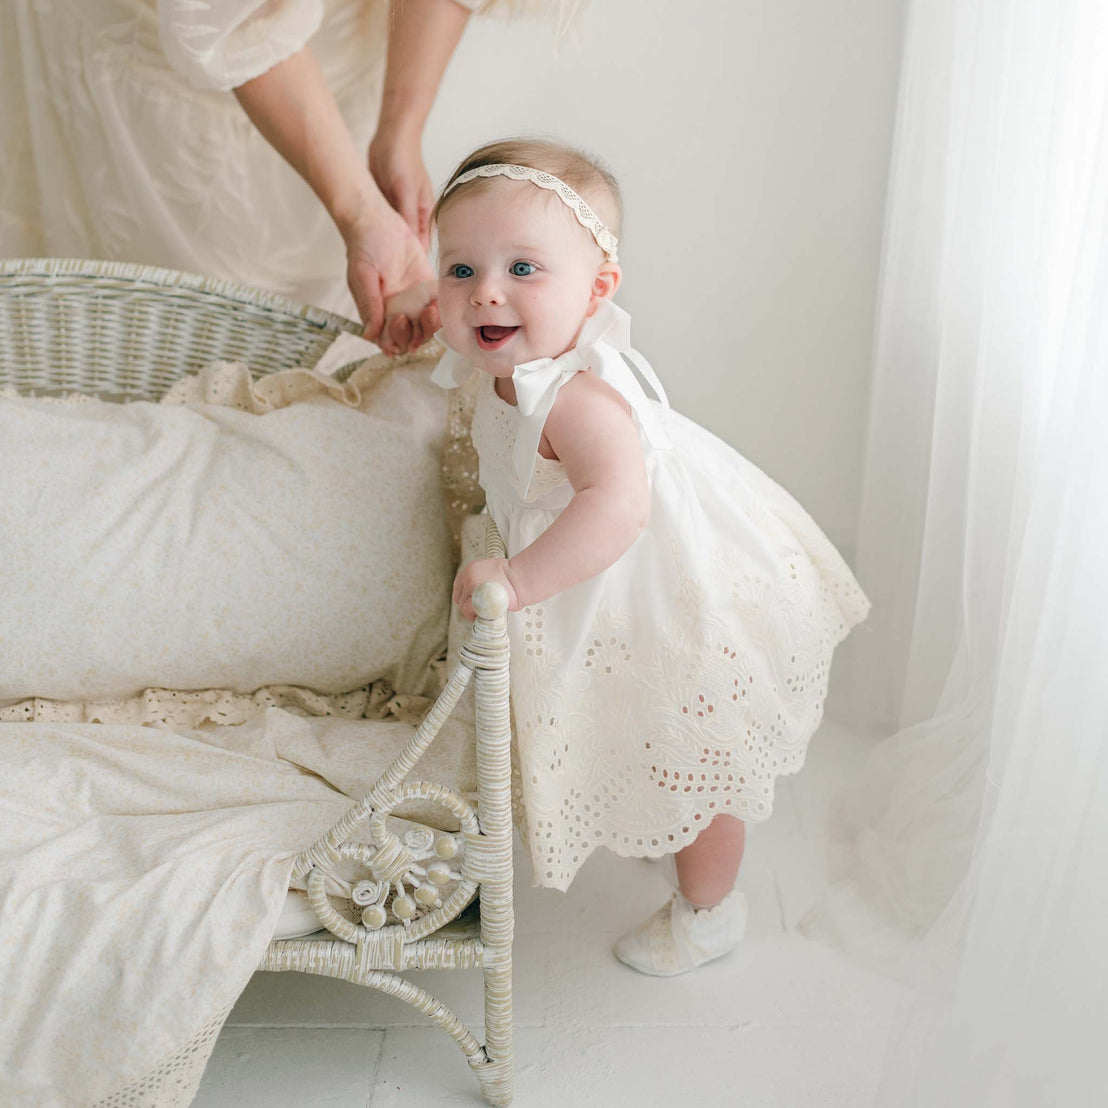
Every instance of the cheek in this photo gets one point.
(452, 306)
(547, 309)
(561, 312)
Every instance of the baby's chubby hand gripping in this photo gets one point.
(474, 597)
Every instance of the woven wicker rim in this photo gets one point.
(157, 277)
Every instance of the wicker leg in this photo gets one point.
(495, 813)
(497, 914)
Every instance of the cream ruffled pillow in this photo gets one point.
(203, 547)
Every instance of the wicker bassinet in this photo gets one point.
(128, 332)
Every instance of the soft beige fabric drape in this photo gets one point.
(121, 142)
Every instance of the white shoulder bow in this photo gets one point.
(605, 340)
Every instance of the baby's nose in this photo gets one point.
(486, 292)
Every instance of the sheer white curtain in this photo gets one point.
(971, 853)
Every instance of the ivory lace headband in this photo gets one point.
(583, 213)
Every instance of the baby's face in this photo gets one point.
(516, 275)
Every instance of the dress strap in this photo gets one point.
(605, 340)
(605, 337)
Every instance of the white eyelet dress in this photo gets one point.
(680, 682)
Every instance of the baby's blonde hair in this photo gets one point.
(583, 173)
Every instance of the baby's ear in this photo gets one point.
(604, 285)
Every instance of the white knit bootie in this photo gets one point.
(679, 937)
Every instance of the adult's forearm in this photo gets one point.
(293, 107)
(422, 38)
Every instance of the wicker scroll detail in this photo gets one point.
(423, 861)
(431, 864)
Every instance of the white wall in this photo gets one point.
(752, 141)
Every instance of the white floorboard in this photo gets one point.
(782, 1022)
(635, 1067)
(293, 1066)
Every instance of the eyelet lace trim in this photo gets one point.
(175, 1080)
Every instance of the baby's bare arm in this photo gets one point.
(595, 437)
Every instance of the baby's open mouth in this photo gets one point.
(492, 338)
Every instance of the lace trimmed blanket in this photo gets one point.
(144, 860)
(141, 875)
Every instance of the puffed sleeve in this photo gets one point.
(221, 44)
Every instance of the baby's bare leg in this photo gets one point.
(708, 866)
(676, 938)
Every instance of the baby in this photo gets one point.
(673, 611)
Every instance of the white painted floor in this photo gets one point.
(781, 1022)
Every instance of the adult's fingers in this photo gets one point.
(429, 320)
(365, 287)
(385, 340)
(400, 333)
(419, 335)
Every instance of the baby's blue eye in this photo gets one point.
(461, 271)
(522, 269)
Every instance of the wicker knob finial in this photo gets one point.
(490, 600)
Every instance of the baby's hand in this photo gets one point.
(411, 317)
(477, 573)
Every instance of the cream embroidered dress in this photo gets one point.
(679, 683)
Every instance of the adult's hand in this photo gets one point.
(422, 37)
(383, 257)
(294, 109)
(396, 163)
(411, 317)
